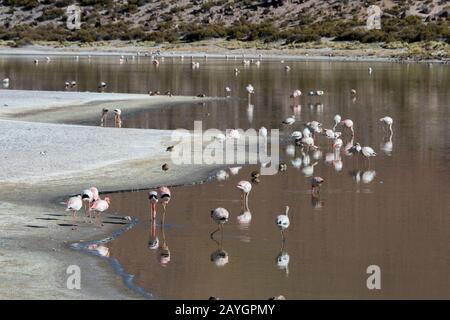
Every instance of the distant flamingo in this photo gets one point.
(283, 222)
(387, 121)
(316, 183)
(289, 120)
(104, 117)
(250, 91)
(295, 97)
(117, 118)
(74, 204)
(245, 187)
(349, 125)
(220, 216)
(164, 196)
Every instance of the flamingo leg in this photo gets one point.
(212, 233)
(282, 236)
(164, 214)
(74, 219)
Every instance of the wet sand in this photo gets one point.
(44, 163)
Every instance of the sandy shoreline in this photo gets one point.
(42, 164)
(214, 51)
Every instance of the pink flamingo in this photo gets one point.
(74, 204)
(90, 196)
(349, 125)
(245, 187)
(164, 196)
(220, 216)
(99, 206)
(153, 197)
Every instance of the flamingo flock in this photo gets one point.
(92, 203)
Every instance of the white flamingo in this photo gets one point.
(282, 222)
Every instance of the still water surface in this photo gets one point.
(393, 212)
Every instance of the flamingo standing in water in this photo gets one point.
(283, 222)
(164, 196)
(349, 125)
(74, 204)
(153, 197)
(316, 183)
(337, 119)
(387, 121)
(100, 206)
(295, 97)
(220, 216)
(250, 91)
(245, 187)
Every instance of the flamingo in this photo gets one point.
(66, 84)
(250, 91)
(100, 206)
(282, 222)
(88, 198)
(104, 117)
(153, 197)
(220, 216)
(295, 96)
(349, 125)
(117, 118)
(316, 183)
(387, 121)
(73, 84)
(307, 142)
(353, 92)
(287, 68)
(227, 91)
(164, 196)
(102, 85)
(337, 119)
(289, 120)
(296, 135)
(245, 187)
(74, 204)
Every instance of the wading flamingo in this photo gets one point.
(283, 222)
(316, 183)
(153, 198)
(387, 121)
(104, 117)
(245, 188)
(220, 216)
(349, 125)
(117, 118)
(164, 197)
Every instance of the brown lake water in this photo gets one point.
(393, 212)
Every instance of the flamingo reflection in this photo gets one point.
(282, 259)
(153, 241)
(163, 252)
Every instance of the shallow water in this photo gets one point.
(392, 212)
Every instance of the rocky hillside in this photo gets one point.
(190, 20)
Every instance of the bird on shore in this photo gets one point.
(102, 85)
(387, 122)
(164, 197)
(165, 167)
(282, 222)
(89, 196)
(153, 198)
(316, 183)
(104, 116)
(117, 118)
(245, 188)
(74, 204)
(170, 148)
(99, 206)
(220, 216)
